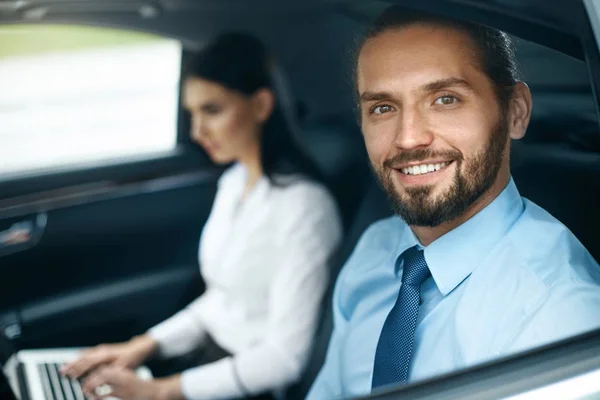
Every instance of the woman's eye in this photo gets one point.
(211, 109)
(381, 110)
(445, 100)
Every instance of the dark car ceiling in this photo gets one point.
(554, 17)
(314, 38)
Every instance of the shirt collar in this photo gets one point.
(453, 257)
(239, 175)
(407, 240)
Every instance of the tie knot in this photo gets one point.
(415, 269)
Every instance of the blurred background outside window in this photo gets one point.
(71, 95)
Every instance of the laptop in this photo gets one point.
(34, 374)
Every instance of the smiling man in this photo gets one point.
(468, 270)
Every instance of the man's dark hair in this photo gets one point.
(494, 48)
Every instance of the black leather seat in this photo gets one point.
(337, 146)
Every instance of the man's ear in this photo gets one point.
(520, 110)
(263, 102)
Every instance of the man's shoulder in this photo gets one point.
(539, 259)
(568, 308)
(539, 283)
(550, 250)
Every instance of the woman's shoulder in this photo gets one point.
(297, 191)
(308, 206)
(234, 173)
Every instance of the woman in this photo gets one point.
(263, 251)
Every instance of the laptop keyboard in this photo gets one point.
(57, 387)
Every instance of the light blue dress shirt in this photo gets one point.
(509, 279)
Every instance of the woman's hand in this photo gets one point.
(126, 355)
(120, 382)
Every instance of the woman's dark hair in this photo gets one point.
(493, 48)
(240, 62)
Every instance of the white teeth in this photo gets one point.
(423, 168)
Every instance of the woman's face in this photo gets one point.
(225, 123)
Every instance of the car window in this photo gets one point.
(74, 94)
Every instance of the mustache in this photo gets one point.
(421, 155)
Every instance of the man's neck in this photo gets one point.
(428, 235)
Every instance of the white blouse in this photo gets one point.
(264, 261)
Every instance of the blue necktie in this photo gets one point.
(394, 349)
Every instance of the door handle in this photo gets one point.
(23, 234)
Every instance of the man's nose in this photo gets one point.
(412, 130)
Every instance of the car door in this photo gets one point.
(102, 195)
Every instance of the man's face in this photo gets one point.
(432, 124)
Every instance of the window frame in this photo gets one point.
(510, 376)
(42, 184)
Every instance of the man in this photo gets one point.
(468, 271)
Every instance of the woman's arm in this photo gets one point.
(181, 333)
(309, 236)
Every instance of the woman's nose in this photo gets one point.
(198, 130)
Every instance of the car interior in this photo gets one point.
(115, 247)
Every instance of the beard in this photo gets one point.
(416, 206)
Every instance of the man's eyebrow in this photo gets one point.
(374, 96)
(434, 86)
(445, 84)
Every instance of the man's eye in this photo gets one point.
(445, 100)
(381, 110)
